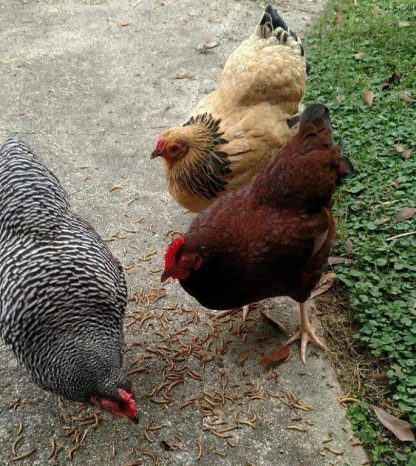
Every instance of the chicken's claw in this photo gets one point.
(246, 309)
(305, 334)
(305, 337)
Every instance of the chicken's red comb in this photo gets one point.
(160, 144)
(171, 252)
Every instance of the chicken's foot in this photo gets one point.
(305, 333)
(246, 309)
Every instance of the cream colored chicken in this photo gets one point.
(232, 133)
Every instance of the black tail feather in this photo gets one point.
(314, 111)
(271, 20)
(277, 20)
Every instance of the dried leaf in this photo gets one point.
(160, 2)
(404, 214)
(404, 24)
(339, 18)
(348, 248)
(340, 98)
(115, 187)
(401, 429)
(377, 11)
(403, 151)
(280, 354)
(335, 260)
(183, 75)
(406, 96)
(358, 56)
(326, 282)
(213, 19)
(368, 98)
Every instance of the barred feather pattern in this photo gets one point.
(62, 293)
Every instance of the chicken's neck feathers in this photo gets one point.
(204, 161)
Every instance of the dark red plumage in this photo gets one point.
(270, 238)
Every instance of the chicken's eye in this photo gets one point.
(186, 261)
(174, 148)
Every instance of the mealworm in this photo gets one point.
(199, 455)
(24, 455)
(19, 429)
(14, 445)
(298, 428)
(53, 451)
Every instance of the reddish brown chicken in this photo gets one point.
(270, 238)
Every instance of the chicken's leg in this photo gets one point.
(246, 309)
(305, 333)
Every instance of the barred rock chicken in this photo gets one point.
(62, 293)
(270, 238)
(232, 133)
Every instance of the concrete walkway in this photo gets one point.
(88, 84)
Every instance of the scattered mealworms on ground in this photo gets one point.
(53, 452)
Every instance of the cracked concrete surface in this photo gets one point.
(88, 85)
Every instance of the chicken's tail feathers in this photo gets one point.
(272, 24)
(306, 172)
(276, 20)
(313, 112)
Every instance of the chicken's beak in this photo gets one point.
(165, 276)
(156, 153)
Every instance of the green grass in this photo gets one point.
(380, 284)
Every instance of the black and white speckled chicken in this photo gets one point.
(62, 293)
